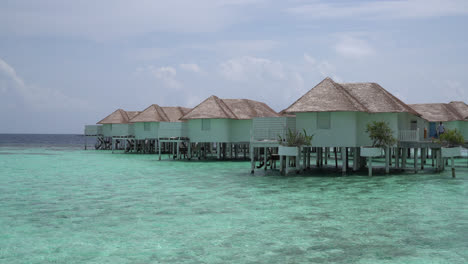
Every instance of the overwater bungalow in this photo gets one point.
(453, 115)
(157, 122)
(117, 129)
(337, 115)
(225, 124)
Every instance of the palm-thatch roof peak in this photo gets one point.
(214, 107)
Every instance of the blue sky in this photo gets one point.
(64, 64)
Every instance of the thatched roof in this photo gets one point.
(156, 113)
(214, 107)
(329, 96)
(119, 116)
(439, 112)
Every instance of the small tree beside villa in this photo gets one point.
(382, 138)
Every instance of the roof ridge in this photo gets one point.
(327, 78)
(163, 114)
(453, 111)
(225, 106)
(397, 100)
(343, 89)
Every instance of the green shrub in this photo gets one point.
(380, 134)
(452, 138)
(295, 139)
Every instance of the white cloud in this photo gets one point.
(323, 67)
(353, 47)
(166, 75)
(391, 9)
(247, 68)
(191, 67)
(36, 97)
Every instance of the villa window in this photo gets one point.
(146, 126)
(323, 120)
(206, 124)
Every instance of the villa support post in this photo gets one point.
(355, 158)
(387, 160)
(344, 159)
(252, 159)
(112, 144)
(85, 142)
(189, 150)
(265, 158)
(453, 166)
(404, 153)
(287, 165)
(336, 158)
(423, 157)
(397, 157)
(308, 158)
(218, 150)
(326, 155)
(304, 156)
(369, 165)
(415, 153)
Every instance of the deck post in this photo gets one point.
(189, 150)
(235, 151)
(415, 153)
(369, 165)
(159, 147)
(265, 157)
(112, 143)
(287, 165)
(355, 158)
(453, 167)
(252, 159)
(344, 158)
(85, 142)
(423, 157)
(304, 157)
(178, 147)
(387, 160)
(404, 153)
(397, 157)
(326, 155)
(218, 150)
(281, 164)
(336, 158)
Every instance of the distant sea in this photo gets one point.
(62, 204)
(38, 140)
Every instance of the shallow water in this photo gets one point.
(66, 205)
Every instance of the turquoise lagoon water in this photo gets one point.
(66, 205)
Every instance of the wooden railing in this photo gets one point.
(408, 135)
(267, 134)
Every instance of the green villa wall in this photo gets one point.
(219, 131)
(107, 130)
(348, 129)
(122, 130)
(342, 132)
(240, 130)
(152, 133)
(392, 119)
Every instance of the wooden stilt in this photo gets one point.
(453, 167)
(343, 160)
(265, 158)
(252, 159)
(387, 160)
(397, 157)
(336, 158)
(415, 160)
(355, 159)
(369, 165)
